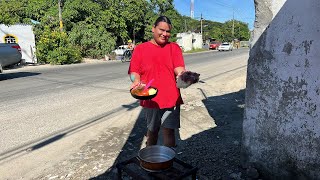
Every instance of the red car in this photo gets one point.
(214, 45)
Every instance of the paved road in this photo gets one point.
(41, 105)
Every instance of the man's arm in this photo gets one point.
(179, 70)
(135, 79)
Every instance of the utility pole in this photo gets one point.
(134, 35)
(185, 25)
(201, 23)
(60, 16)
(201, 27)
(232, 24)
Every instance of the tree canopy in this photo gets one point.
(93, 28)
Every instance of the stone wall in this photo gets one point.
(281, 129)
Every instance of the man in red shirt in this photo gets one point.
(162, 61)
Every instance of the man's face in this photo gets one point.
(161, 33)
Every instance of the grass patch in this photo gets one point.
(196, 50)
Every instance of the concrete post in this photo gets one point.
(281, 129)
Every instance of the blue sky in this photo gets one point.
(219, 10)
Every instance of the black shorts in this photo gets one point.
(167, 118)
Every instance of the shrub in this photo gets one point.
(94, 42)
(54, 47)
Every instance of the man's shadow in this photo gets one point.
(217, 150)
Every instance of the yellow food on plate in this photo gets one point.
(152, 91)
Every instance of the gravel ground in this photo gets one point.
(209, 137)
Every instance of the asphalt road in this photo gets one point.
(40, 105)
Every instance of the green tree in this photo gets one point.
(96, 27)
(177, 23)
(134, 14)
(216, 33)
(80, 11)
(93, 41)
(161, 6)
(12, 11)
(37, 9)
(242, 31)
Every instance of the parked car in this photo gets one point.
(214, 44)
(120, 50)
(225, 47)
(10, 54)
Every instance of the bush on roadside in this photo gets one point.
(54, 47)
(94, 42)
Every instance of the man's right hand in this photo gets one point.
(138, 85)
(135, 78)
(135, 84)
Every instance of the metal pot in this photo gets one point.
(156, 158)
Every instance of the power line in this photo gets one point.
(237, 13)
(222, 4)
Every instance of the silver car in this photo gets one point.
(10, 54)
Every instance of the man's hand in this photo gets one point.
(135, 78)
(178, 71)
(135, 84)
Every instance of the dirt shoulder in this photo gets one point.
(209, 137)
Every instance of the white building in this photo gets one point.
(189, 41)
(24, 36)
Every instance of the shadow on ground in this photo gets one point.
(8, 76)
(216, 152)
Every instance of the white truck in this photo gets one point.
(10, 54)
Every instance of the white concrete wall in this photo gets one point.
(25, 37)
(197, 41)
(281, 128)
(185, 40)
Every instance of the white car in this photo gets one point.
(120, 50)
(225, 47)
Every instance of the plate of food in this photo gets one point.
(144, 94)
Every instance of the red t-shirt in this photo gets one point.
(155, 62)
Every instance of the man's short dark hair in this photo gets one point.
(162, 19)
